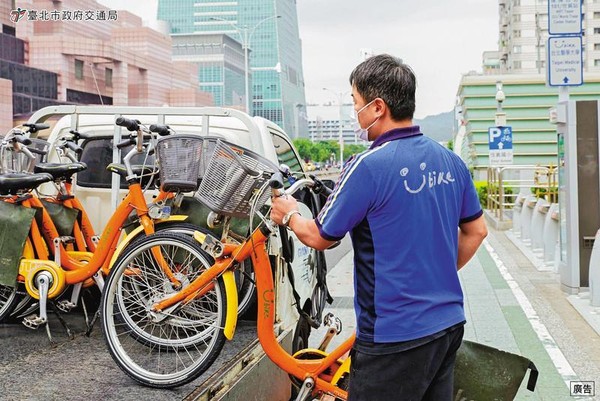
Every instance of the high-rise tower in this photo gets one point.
(269, 30)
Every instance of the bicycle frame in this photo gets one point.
(75, 271)
(255, 248)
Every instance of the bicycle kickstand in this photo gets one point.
(305, 389)
(91, 325)
(62, 321)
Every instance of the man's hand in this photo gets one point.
(280, 206)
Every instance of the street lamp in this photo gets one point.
(340, 96)
(245, 37)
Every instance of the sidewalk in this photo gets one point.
(511, 306)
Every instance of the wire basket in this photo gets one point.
(229, 189)
(179, 158)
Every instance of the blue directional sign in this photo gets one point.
(500, 141)
(500, 138)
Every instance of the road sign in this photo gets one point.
(564, 17)
(500, 141)
(565, 61)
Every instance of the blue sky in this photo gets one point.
(439, 39)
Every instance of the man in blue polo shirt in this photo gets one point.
(414, 217)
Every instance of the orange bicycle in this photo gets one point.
(239, 188)
(45, 279)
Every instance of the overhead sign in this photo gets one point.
(564, 17)
(565, 61)
(500, 141)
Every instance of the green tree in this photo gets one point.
(353, 150)
(304, 147)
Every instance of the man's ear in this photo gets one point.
(380, 107)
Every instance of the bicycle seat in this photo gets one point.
(60, 171)
(12, 183)
(147, 171)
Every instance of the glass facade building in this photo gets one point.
(220, 63)
(269, 29)
(32, 88)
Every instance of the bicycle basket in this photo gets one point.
(179, 161)
(227, 188)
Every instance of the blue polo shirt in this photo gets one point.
(402, 200)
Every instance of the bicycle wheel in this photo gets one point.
(244, 274)
(8, 300)
(165, 349)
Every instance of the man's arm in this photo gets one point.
(305, 229)
(470, 236)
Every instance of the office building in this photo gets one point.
(268, 29)
(80, 52)
(523, 29)
(219, 60)
(324, 123)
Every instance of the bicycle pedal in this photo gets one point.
(34, 321)
(65, 305)
(331, 320)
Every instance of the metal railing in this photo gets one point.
(503, 188)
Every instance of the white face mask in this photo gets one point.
(362, 133)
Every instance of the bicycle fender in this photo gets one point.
(127, 238)
(232, 304)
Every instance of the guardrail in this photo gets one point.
(503, 187)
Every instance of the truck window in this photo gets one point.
(97, 154)
(285, 154)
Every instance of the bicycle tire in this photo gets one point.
(169, 359)
(244, 275)
(8, 300)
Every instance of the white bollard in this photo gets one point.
(538, 218)
(550, 236)
(526, 214)
(594, 272)
(516, 220)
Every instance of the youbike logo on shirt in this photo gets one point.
(429, 178)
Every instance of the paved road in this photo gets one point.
(82, 369)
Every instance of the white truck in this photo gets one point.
(300, 271)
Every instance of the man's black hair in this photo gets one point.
(387, 77)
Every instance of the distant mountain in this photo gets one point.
(438, 127)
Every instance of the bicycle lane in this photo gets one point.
(499, 314)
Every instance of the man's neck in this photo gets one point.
(392, 124)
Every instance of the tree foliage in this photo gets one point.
(322, 151)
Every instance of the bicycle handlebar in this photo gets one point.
(33, 128)
(78, 135)
(131, 125)
(74, 147)
(161, 130)
(126, 142)
(21, 139)
(37, 151)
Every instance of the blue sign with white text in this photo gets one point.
(500, 138)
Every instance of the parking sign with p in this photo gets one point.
(500, 141)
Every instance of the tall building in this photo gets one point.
(520, 64)
(523, 26)
(324, 123)
(80, 52)
(220, 65)
(268, 29)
